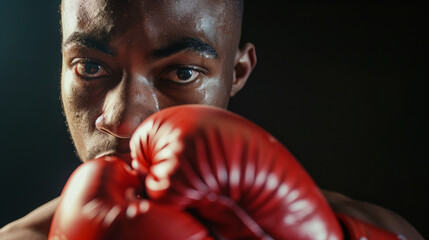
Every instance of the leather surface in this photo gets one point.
(232, 173)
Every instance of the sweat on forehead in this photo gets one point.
(79, 13)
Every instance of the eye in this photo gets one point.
(87, 69)
(182, 74)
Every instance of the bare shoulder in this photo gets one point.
(34, 225)
(373, 214)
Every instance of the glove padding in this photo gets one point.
(101, 201)
(231, 173)
(235, 177)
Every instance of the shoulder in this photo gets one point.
(372, 214)
(34, 225)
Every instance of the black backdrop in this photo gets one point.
(344, 87)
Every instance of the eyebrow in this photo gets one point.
(192, 44)
(93, 41)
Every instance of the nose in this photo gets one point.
(126, 106)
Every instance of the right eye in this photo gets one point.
(89, 70)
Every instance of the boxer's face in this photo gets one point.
(124, 60)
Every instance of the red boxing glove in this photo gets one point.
(232, 173)
(100, 201)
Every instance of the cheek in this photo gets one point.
(73, 98)
(78, 111)
(82, 100)
(217, 90)
(216, 93)
(212, 91)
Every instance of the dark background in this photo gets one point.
(344, 87)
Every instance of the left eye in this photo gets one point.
(182, 75)
(90, 70)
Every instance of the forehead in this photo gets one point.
(152, 19)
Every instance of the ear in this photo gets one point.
(245, 61)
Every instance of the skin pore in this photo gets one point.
(124, 60)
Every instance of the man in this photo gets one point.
(124, 60)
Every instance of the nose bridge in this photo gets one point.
(127, 105)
